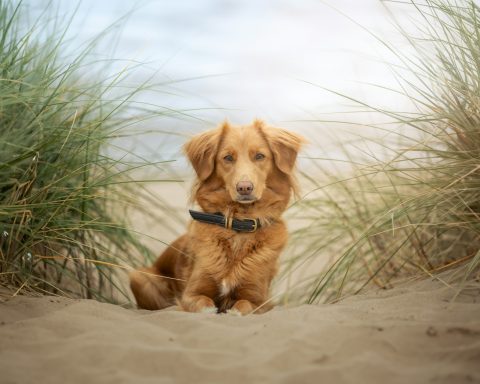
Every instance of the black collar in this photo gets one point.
(245, 225)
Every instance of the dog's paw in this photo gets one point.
(234, 312)
(244, 307)
(209, 310)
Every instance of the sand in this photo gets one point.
(412, 333)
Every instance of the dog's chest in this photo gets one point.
(238, 247)
(236, 253)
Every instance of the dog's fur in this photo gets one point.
(214, 269)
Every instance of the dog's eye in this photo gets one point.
(228, 158)
(259, 156)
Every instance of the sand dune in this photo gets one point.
(412, 333)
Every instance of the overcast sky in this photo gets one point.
(246, 59)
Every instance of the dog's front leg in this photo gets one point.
(198, 294)
(253, 298)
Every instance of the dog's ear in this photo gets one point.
(284, 145)
(201, 151)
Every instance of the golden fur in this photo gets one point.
(215, 269)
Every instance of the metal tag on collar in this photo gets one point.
(228, 222)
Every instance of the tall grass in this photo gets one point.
(417, 209)
(65, 185)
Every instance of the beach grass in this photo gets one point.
(414, 209)
(67, 185)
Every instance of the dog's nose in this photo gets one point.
(244, 187)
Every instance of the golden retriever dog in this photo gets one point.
(229, 255)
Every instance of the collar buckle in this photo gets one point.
(255, 224)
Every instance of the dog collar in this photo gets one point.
(238, 225)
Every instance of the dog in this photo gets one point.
(229, 255)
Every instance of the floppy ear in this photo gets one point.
(284, 146)
(201, 151)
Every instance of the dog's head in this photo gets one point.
(244, 161)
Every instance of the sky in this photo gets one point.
(283, 61)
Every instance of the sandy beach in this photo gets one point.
(412, 333)
(97, 99)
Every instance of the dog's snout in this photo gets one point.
(244, 187)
